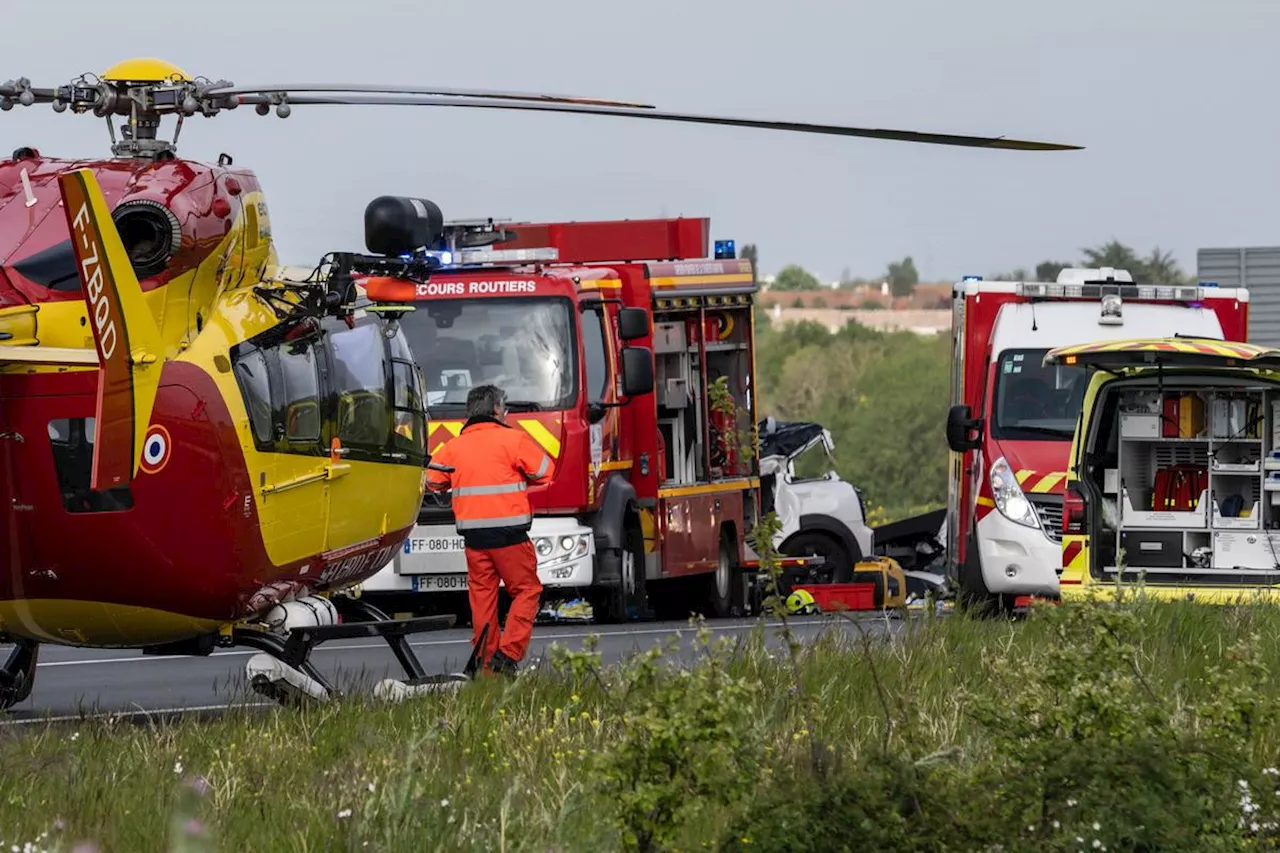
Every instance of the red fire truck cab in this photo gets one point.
(606, 359)
(1012, 417)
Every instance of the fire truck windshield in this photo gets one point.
(1034, 402)
(524, 346)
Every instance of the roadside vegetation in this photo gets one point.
(1113, 726)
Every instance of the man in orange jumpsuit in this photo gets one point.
(493, 466)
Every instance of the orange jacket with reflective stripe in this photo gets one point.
(494, 465)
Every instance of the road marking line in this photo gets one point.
(463, 641)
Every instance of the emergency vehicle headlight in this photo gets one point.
(1008, 496)
(552, 551)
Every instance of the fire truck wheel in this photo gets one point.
(724, 588)
(612, 604)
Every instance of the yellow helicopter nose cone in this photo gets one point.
(145, 69)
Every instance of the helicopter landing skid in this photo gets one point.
(18, 674)
(284, 672)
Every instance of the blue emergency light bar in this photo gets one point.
(726, 250)
(464, 258)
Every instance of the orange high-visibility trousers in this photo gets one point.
(517, 567)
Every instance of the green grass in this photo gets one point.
(545, 764)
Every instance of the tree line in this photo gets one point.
(883, 396)
(1156, 267)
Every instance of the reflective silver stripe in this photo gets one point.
(505, 488)
(482, 523)
(544, 467)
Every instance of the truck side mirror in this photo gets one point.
(633, 323)
(637, 371)
(959, 424)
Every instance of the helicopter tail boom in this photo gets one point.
(124, 332)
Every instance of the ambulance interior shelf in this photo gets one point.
(1191, 481)
(685, 421)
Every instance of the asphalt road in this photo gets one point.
(73, 682)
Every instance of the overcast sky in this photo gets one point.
(1174, 99)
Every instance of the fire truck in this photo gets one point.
(1012, 418)
(608, 338)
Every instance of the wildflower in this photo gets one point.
(344, 814)
(371, 787)
(200, 785)
(444, 804)
(177, 767)
(193, 827)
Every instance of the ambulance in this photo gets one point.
(1012, 417)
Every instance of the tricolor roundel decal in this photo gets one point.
(155, 449)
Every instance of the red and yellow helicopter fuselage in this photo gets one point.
(166, 464)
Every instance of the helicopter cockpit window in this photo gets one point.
(301, 392)
(360, 382)
(255, 385)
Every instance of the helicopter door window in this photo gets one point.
(301, 392)
(72, 442)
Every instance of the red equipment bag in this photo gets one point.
(1177, 488)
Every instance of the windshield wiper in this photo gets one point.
(523, 406)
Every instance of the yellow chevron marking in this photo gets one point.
(1023, 475)
(1048, 481)
(986, 502)
(536, 431)
(543, 436)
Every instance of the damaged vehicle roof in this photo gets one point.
(787, 438)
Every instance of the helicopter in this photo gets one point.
(201, 447)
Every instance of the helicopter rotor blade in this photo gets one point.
(289, 89)
(691, 118)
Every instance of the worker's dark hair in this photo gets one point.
(483, 400)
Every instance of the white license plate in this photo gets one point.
(440, 583)
(434, 545)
